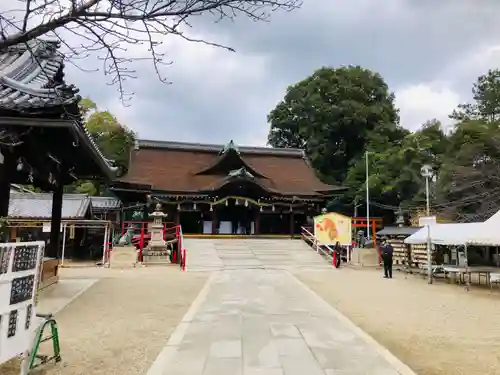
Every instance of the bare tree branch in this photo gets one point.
(108, 28)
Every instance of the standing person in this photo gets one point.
(338, 253)
(387, 253)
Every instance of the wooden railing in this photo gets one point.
(309, 238)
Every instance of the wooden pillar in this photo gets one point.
(6, 171)
(54, 250)
(257, 222)
(214, 221)
(292, 223)
(177, 217)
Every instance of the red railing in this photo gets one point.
(178, 255)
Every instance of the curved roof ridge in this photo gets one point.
(188, 146)
(222, 157)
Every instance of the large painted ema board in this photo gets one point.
(20, 271)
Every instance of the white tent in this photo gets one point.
(446, 234)
(488, 234)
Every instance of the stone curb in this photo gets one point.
(160, 364)
(398, 365)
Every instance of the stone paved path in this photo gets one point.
(259, 320)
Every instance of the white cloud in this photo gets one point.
(437, 99)
(430, 53)
(422, 102)
(214, 78)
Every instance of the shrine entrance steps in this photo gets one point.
(223, 254)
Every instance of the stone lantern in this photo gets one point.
(400, 218)
(157, 250)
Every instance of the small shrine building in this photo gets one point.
(215, 189)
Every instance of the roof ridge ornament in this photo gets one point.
(228, 147)
(241, 172)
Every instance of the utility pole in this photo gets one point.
(426, 172)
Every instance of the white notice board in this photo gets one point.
(20, 270)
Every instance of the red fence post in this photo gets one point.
(334, 259)
(183, 261)
(141, 242)
(123, 228)
(179, 241)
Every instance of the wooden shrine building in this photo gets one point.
(43, 139)
(213, 189)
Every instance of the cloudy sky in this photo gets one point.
(428, 51)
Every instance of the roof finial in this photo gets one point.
(228, 147)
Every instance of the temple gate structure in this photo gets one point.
(44, 142)
(215, 189)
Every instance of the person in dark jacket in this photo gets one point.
(387, 253)
(338, 252)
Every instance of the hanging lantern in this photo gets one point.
(226, 203)
(236, 202)
(261, 209)
(178, 207)
(194, 206)
(246, 202)
(211, 208)
(273, 207)
(290, 208)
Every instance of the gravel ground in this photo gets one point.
(120, 324)
(435, 329)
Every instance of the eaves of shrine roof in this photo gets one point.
(100, 204)
(31, 77)
(33, 93)
(39, 205)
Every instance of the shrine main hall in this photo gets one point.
(226, 189)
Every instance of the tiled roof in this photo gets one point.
(30, 77)
(105, 203)
(32, 80)
(174, 167)
(39, 205)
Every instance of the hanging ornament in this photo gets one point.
(226, 203)
(211, 208)
(261, 209)
(194, 206)
(273, 207)
(290, 208)
(246, 202)
(178, 207)
(236, 202)
(20, 165)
